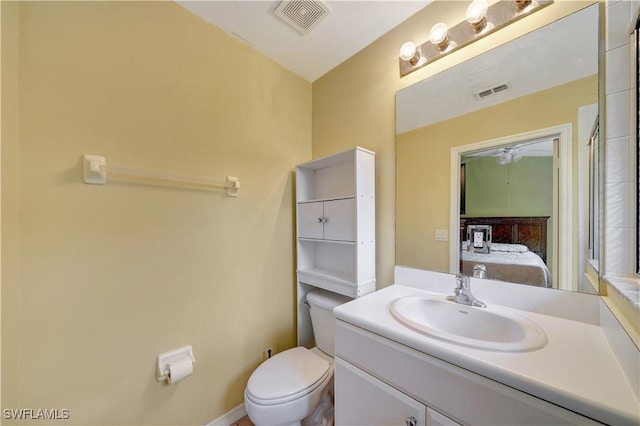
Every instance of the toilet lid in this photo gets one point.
(287, 376)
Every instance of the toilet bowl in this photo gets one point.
(288, 387)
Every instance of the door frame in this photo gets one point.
(563, 225)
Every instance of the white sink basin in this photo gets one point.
(492, 328)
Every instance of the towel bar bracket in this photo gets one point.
(92, 169)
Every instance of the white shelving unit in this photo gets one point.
(335, 197)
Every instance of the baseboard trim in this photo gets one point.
(230, 417)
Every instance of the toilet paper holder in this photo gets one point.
(166, 358)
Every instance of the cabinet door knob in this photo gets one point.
(322, 220)
(411, 421)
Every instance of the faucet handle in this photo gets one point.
(462, 292)
(463, 282)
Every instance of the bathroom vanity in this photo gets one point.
(391, 373)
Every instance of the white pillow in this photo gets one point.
(510, 248)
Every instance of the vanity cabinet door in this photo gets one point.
(361, 399)
(436, 419)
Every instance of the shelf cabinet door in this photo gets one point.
(340, 220)
(361, 399)
(328, 220)
(309, 220)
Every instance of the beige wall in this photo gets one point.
(354, 104)
(98, 280)
(423, 163)
(9, 232)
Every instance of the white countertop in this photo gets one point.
(577, 369)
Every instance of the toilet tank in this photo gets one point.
(321, 304)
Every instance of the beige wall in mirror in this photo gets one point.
(423, 166)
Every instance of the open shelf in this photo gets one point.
(335, 281)
(316, 200)
(328, 274)
(317, 240)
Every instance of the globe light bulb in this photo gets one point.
(477, 12)
(407, 51)
(438, 34)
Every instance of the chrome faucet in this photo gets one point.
(462, 293)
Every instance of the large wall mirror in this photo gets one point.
(493, 159)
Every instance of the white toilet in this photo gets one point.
(288, 387)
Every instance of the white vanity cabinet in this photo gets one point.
(372, 402)
(335, 228)
(381, 382)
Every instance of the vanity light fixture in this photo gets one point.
(480, 20)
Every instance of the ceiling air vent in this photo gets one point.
(302, 15)
(491, 91)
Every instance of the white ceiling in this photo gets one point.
(347, 29)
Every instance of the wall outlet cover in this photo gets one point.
(442, 235)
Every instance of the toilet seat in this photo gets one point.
(287, 376)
